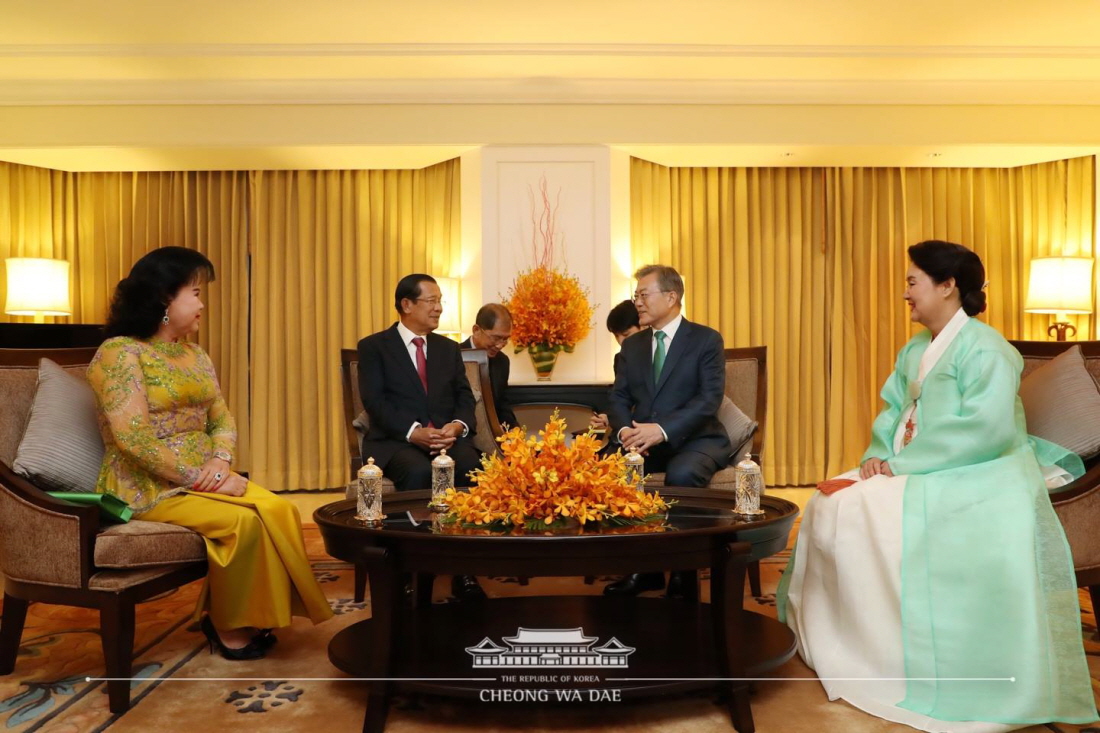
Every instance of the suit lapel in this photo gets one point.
(400, 354)
(675, 351)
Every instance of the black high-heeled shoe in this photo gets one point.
(265, 639)
(252, 650)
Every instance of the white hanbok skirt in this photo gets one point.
(844, 601)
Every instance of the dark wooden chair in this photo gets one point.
(1076, 504)
(357, 422)
(48, 547)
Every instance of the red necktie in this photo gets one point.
(421, 362)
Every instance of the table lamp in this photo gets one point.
(1060, 285)
(38, 287)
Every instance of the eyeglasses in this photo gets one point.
(643, 296)
(499, 340)
(432, 302)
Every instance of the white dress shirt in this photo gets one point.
(407, 337)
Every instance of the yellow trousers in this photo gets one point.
(259, 574)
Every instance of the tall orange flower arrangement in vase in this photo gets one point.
(550, 309)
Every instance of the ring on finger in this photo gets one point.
(218, 476)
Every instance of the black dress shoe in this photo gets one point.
(676, 583)
(632, 585)
(466, 588)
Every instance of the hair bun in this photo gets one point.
(974, 302)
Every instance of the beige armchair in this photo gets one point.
(1077, 504)
(747, 387)
(53, 551)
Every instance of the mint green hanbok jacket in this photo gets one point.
(988, 589)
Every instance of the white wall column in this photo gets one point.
(590, 186)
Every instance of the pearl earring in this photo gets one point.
(165, 319)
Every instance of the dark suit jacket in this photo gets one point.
(686, 399)
(394, 397)
(499, 369)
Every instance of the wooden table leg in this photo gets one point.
(386, 596)
(727, 592)
(425, 582)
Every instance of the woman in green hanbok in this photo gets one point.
(938, 589)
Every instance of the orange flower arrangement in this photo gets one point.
(539, 482)
(550, 309)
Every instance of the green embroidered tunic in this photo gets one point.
(162, 416)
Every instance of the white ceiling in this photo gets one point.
(125, 54)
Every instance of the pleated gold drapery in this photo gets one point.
(104, 222)
(748, 242)
(38, 219)
(811, 262)
(328, 248)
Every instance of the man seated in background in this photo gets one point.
(492, 329)
(622, 321)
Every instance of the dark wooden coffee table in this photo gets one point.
(677, 644)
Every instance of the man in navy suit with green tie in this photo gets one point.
(666, 396)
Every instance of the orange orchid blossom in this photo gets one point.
(542, 480)
(550, 309)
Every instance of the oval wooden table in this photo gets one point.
(667, 645)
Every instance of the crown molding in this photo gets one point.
(132, 92)
(291, 50)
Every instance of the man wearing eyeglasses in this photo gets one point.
(492, 329)
(666, 396)
(414, 388)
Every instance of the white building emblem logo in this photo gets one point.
(550, 648)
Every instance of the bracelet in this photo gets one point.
(224, 455)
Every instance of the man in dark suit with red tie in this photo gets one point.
(414, 387)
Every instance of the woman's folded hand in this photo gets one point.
(234, 485)
(874, 467)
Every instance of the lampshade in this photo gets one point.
(450, 321)
(38, 287)
(1060, 285)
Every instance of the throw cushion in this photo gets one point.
(61, 449)
(1062, 404)
(738, 425)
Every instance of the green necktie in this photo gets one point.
(659, 355)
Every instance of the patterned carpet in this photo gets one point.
(48, 691)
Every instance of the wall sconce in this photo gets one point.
(1060, 285)
(38, 287)
(450, 323)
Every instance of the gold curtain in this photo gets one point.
(37, 219)
(811, 262)
(104, 222)
(748, 242)
(328, 248)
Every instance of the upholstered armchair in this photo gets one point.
(53, 551)
(1076, 504)
(357, 422)
(747, 388)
